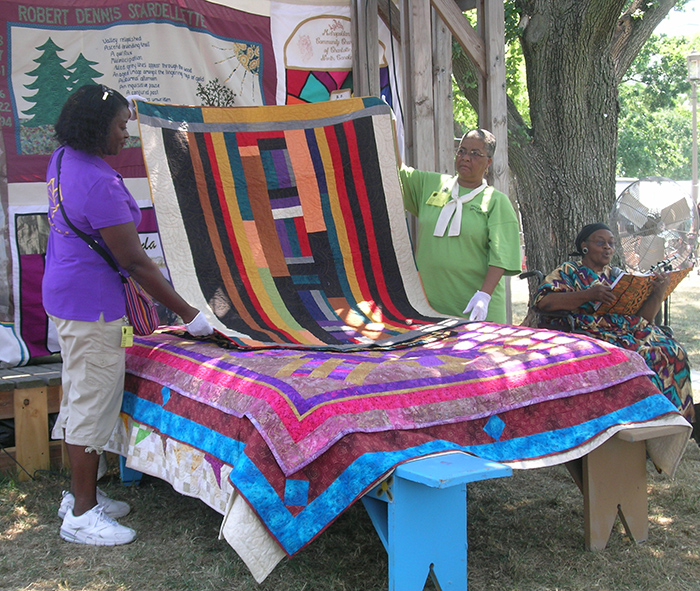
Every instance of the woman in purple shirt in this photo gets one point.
(85, 299)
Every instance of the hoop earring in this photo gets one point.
(584, 250)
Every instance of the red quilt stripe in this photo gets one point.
(355, 253)
(243, 270)
(361, 190)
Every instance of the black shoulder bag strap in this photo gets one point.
(86, 237)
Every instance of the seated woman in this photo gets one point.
(577, 287)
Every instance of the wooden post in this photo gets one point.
(365, 55)
(442, 96)
(31, 429)
(417, 57)
(495, 117)
(463, 32)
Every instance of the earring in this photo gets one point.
(584, 250)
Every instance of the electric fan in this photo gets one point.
(655, 221)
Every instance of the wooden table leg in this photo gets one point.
(31, 431)
(615, 483)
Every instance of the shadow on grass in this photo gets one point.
(525, 534)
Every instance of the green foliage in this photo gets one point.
(516, 86)
(215, 94)
(465, 116)
(516, 80)
(654, 125)
(512, 17)
(660, 67)
(652, 142)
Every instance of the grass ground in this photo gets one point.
(525, 532)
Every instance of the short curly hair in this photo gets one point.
(86, 117)
(485, 136)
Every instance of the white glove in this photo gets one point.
(132, 105)
(478, 306)
(199, 326)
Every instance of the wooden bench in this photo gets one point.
(420, 510)
(28, 395)
(613, 479)
(420, 514)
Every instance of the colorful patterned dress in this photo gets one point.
(662, 353)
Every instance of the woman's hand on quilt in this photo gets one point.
(199, 326)
(478, 306)
(131, 98)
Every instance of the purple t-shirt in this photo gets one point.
(78, 283)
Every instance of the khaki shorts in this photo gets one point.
(93, 381)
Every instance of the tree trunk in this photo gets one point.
(576, 52)
(566, 171)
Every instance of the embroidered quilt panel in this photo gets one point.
(285, 224)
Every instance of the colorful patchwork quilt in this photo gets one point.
(304, 433)
(286, 223)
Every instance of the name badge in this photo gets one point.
(127, 336)
(438, 199)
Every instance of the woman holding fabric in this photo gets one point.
(85, 298)
(468, 233)
(577, 287)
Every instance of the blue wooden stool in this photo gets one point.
(129, 477)
(420, 514)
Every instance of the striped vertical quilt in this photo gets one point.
(286, 223)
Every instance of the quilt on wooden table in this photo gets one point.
(285, 224)
(306, 433)
(304, 401)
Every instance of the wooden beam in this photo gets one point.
(442, 96)
(496, 108)
(463, 32)
(365, 55)
(390, 14)
(419, 113)
(465, 5)
(492, 103)
(31, 430)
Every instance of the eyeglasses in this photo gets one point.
(461, 153)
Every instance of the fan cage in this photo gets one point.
(655, 220)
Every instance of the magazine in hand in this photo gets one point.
(633, 289)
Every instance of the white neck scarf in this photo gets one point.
(453, 210)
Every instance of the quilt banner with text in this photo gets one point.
(223, 52)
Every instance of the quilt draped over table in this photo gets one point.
(286, 226)
(305, 433)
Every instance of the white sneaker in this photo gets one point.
(114, 509)
(95, 529)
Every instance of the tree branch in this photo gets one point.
(634, 28)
